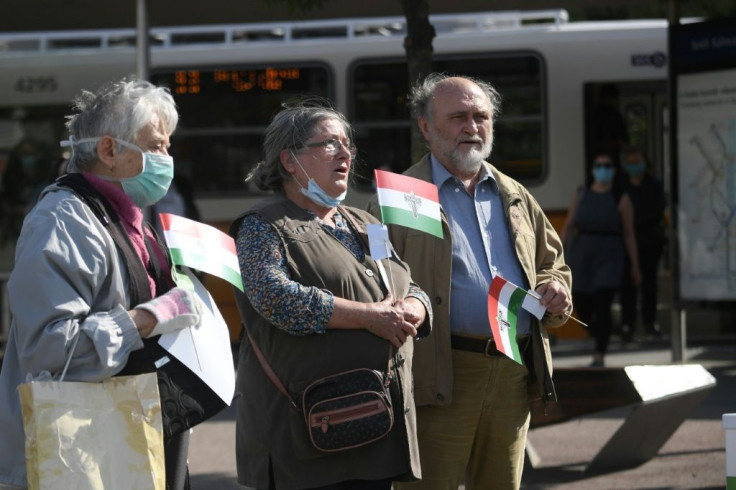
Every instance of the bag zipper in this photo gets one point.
(323, 420)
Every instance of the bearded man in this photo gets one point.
(473, 402)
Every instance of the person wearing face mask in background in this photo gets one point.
(26, 171)
(74, 288)
(598, 233)
(647, 198)
(316, 304)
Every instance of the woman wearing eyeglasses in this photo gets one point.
(316, 304)
(598, 231)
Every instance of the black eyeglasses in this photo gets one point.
(332, 146)
(602, 165)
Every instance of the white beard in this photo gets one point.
(470, 161)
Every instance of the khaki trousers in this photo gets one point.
(481, 437)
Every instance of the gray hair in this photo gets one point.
(421, 94)
(290, 129)
(119, 109)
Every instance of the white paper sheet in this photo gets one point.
(380, 246)
(205, 348)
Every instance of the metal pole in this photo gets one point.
(678, 324)
(142, 56)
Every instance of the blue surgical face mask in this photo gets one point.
(315, 193)
(149, 186)
(635, 169)
(604, 175)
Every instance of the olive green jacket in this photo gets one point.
(430, 258)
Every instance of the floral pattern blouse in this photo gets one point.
(290, 306)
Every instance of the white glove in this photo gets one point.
(176, 309)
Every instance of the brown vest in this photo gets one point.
(316, 258)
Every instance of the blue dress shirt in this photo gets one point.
(481, 248)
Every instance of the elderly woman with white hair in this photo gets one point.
(73, 288)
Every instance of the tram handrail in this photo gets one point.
(273, 32)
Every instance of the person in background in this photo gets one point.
(72, 286)
(599, 232)
(647, 198)
(57, 168)
(474, 402)
(27, 168)
(25, 172)
(315, 304)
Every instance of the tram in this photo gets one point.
(229, 80)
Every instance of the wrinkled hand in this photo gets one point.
(414, 311)
(554, 297)
(388, 321)
(176, 309)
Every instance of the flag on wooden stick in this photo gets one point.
(410, 202)
(203, 247)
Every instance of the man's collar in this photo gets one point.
(440, 174)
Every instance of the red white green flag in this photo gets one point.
(410, 202)
(203, 247)
(504, 301)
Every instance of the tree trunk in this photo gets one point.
(418, 47)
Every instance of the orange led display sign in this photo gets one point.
(196, 81)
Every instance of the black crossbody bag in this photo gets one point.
(345, 410)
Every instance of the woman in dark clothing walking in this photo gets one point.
(599, 227)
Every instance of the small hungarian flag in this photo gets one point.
(203, 247)
(410, 202)
(504, 301)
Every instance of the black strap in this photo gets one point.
(140, 291)
(162, 279)
(269, 371)
(280, 386)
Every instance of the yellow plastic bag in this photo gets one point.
(105, 435)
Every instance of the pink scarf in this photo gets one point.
(131, 217)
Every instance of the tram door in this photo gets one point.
(621, 113)
(633, 113)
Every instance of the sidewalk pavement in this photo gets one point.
(694, 457)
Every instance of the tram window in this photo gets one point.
(223, 112)
(379, 92)
(215, 162)
(394, 143)
(378, 110)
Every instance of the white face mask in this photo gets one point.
(315, 193)
(149, 186)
